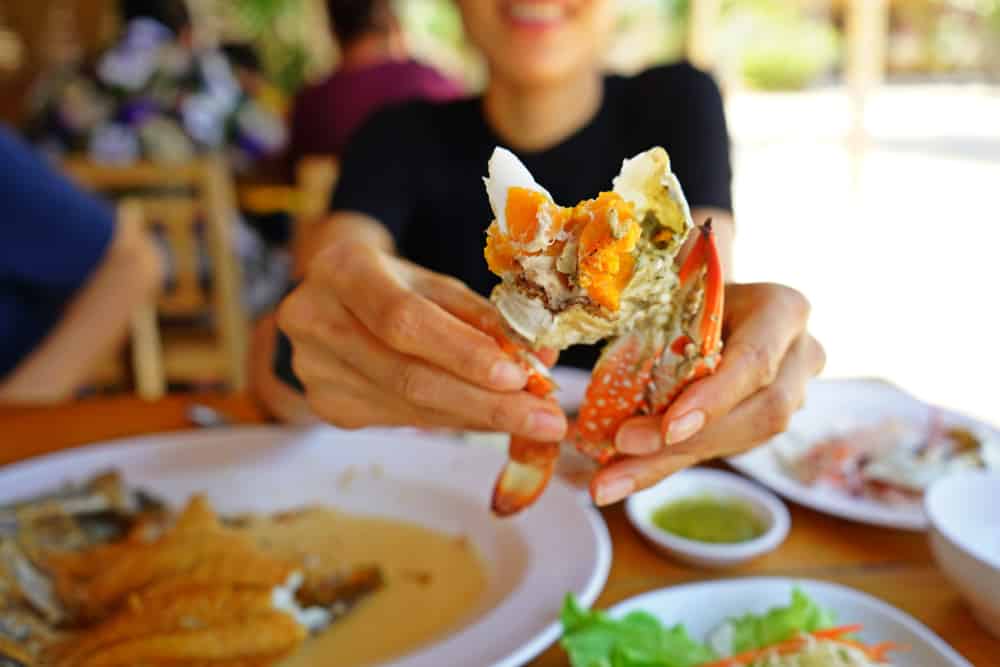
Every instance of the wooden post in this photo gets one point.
(220, 208)
(867, 39)
(147, 349)
(703, 25)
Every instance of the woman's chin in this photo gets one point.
(538, 72)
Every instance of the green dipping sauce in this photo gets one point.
(709, 519)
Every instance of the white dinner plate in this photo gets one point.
(560, 545)
(701, 607)
(830, 405)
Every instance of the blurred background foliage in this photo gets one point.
(759, 44)
(776, 44)
(762, 44)
(271, 26)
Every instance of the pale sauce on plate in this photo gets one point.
(432, 582)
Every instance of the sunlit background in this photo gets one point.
(866, 138)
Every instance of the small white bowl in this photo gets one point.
(964, 513)
(703, 481)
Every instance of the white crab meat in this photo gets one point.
(506, 172)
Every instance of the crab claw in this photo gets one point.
(525, 475)
(695, 338)
(616, 392)
(530, 462)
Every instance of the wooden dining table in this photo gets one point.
(893, 565)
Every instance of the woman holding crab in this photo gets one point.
(388, 325)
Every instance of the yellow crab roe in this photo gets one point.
(605, 262)
(605, 259)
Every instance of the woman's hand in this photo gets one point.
(767, 360)
(379, 341)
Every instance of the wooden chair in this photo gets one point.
(316, 177)
(176, 202)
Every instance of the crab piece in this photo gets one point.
(524, 476)
(695, 346)
(639, 373)
(530, 462)
(617, 391)
(605, 269)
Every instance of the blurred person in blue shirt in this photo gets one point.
(70, 278)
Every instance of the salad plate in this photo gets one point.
(703, 608)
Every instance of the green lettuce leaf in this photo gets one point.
(759, 630)
(594, 639)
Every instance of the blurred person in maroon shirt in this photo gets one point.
(375, 71)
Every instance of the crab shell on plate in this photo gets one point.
(542, 294)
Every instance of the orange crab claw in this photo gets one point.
(707, 256)
(530, 462)
(693, 351)
(616, 392)
(524, 476)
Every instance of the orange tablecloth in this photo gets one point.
(892, 565)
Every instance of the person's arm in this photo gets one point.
(95, 320)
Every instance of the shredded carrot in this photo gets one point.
(748, 657)
(840, 631)
(879, 650)
(876, 652)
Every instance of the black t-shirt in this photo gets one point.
(418, 168)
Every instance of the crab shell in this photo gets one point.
(646, 182)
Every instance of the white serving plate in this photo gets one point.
(829, 404)
(703, 606)
(560, 545)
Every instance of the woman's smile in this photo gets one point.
(535, 15)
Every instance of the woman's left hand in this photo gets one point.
(767, 361)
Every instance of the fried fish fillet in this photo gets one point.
(174, 618)
(198, 548)
(260, 639)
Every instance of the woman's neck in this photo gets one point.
(540, 118)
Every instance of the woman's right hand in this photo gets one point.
(378, 341)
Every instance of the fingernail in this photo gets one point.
(544, 426)
(614, 490)
(638, 440)
(508, 375)
(685, 426)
